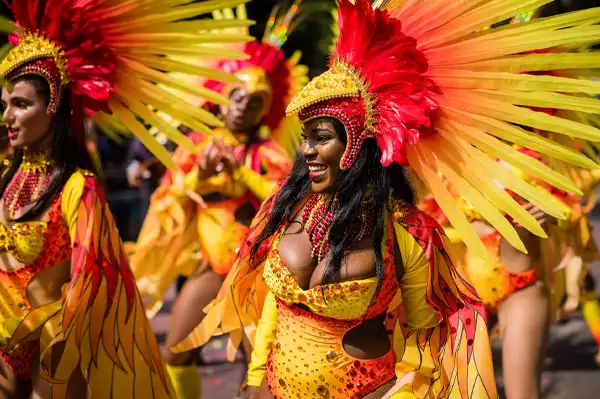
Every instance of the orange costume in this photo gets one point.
(80, 230)
(422, 79)
(564, 260)
(107, 55)
(568, 239)
(192, 221)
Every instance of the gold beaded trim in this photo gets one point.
(33, 46)
(341, 80)
(36, 161)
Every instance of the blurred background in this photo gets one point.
(570, 370)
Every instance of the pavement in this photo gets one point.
(570, 371)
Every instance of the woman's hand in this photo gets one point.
(210, 162)
(228, 158)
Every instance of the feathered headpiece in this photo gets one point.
(267, 72)
(446, 96)
(379, 67)
(111, 54)
(264, 71)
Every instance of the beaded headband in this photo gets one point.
(36, 55)
(340, 93)
(350, 112)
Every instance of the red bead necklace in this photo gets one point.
(29, 182)
(317, 216)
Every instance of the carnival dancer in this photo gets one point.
(529, 292)
(72, 323)
(199, 215)
(339, 249)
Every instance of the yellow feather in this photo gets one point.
(514, 134)
(429, 18)
(561, 21)
(497, 149)
(140, 131)
(200, 51)
(162, 100)
(168, 80)
(470, 51)
(479, 18)
(545, 100)
(241, 12)
(183, 112)
(535, 62)
(151, 117)
(190, 10)
(477, 104)
(588, 149)
(507, 178)
(464, 79)
(144, 39)
(228, 13)
(176, 66)
(481, 181)
(429, 176)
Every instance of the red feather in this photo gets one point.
(78, 26)
(372, 42)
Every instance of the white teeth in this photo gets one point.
(313, 168)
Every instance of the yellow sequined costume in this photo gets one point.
(115, 351)
(192, 222)
(298, 341)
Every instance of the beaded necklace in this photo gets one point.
(29, 182)
(318, 214)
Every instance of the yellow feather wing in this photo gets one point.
(489, 105)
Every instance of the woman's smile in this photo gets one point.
(316, 171)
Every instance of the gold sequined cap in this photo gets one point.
(255, 80)
(340, 81)
(33, 46)
(36, 55)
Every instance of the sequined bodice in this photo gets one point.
(348, 300)
(37, 245)
(24, 241)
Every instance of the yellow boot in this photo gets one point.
(186, 381)
(590, 308)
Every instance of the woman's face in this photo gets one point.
(245, 111)
(322, 149)
(24, 114)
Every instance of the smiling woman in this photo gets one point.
(46, 191)
(36, 134)
(324, 142)
(24, 107)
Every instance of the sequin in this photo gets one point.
(331, 300)
(53, 245)
(323, 367)
(318, 371)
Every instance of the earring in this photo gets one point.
(264, 132)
